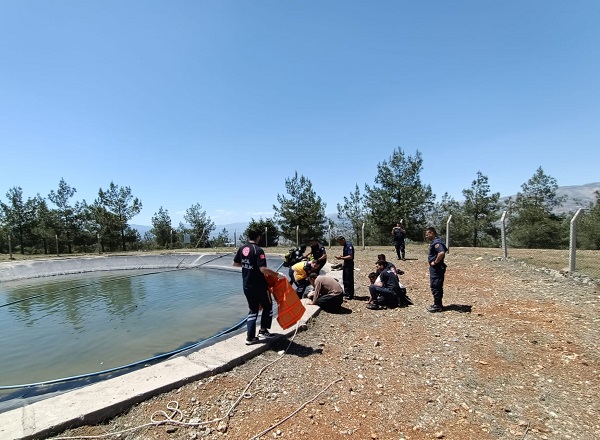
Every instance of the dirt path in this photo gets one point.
(514, 356)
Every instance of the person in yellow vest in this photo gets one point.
(300, 272)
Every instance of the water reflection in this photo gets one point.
(75, 324)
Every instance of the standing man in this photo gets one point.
(317, 252)
(347, 258)
(437, 268)
(399, 234)
(251, 258)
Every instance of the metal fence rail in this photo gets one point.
(576, 262)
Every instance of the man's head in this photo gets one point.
(373, 277)
(380, 265)
(312, 277)
(253, 235)
(314, 241)
(430, 233)
(381, 257)
(341, 240)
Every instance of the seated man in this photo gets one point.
(299, 275)
(389, 293)
(327, 292)
(317, 253)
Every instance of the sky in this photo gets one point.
(218, 102)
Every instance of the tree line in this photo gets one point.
(40, 224)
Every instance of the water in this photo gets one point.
(76, 324)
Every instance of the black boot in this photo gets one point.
(436, 306)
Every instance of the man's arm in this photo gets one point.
(316, 291)
(266, 271)
(439, 257)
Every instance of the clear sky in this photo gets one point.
(218, 102)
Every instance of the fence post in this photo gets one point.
(448, 233)
(329, 235)
(9, 248)
(99, 247)
(297, 239)
(503, 232)
(57, 250)
(573, 241)
(362, 232)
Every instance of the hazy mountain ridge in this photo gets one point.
(577, 196)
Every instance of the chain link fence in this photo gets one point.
(580, 263)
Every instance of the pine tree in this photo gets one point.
(480, 212)
(119, 202)
(201, 224)
(302, 213)
(532, 224)
(269, 235)
(352, 214)
(399, 194)
(161, 227)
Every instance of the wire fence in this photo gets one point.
(574, 261)
(581, 263)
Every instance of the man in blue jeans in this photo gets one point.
(347, 258)
(251, 258)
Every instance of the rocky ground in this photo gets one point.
(513, 356)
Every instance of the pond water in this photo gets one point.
(70, 325)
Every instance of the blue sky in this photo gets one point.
(218, 102)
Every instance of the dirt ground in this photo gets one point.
(514, 355)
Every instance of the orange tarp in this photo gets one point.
(289, 307)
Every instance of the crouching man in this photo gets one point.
(386, 290)
(327, 292)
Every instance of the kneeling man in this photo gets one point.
(327, 292)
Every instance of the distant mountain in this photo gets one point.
(238, 228)
(577, 196)
(142, 229)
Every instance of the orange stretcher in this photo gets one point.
(289, 307)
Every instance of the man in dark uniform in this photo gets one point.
(251, 258)
(437, 268)
(386, 292)
(317, 253)
(347, 258)
(399, 234)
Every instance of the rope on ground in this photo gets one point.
(297, 410)
(176, 416)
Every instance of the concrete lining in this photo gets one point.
(96, 402)
(17, 270)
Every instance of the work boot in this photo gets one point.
(434, 308)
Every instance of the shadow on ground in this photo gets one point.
(460, 308)
(295, 348)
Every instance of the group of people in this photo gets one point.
(385, 289)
